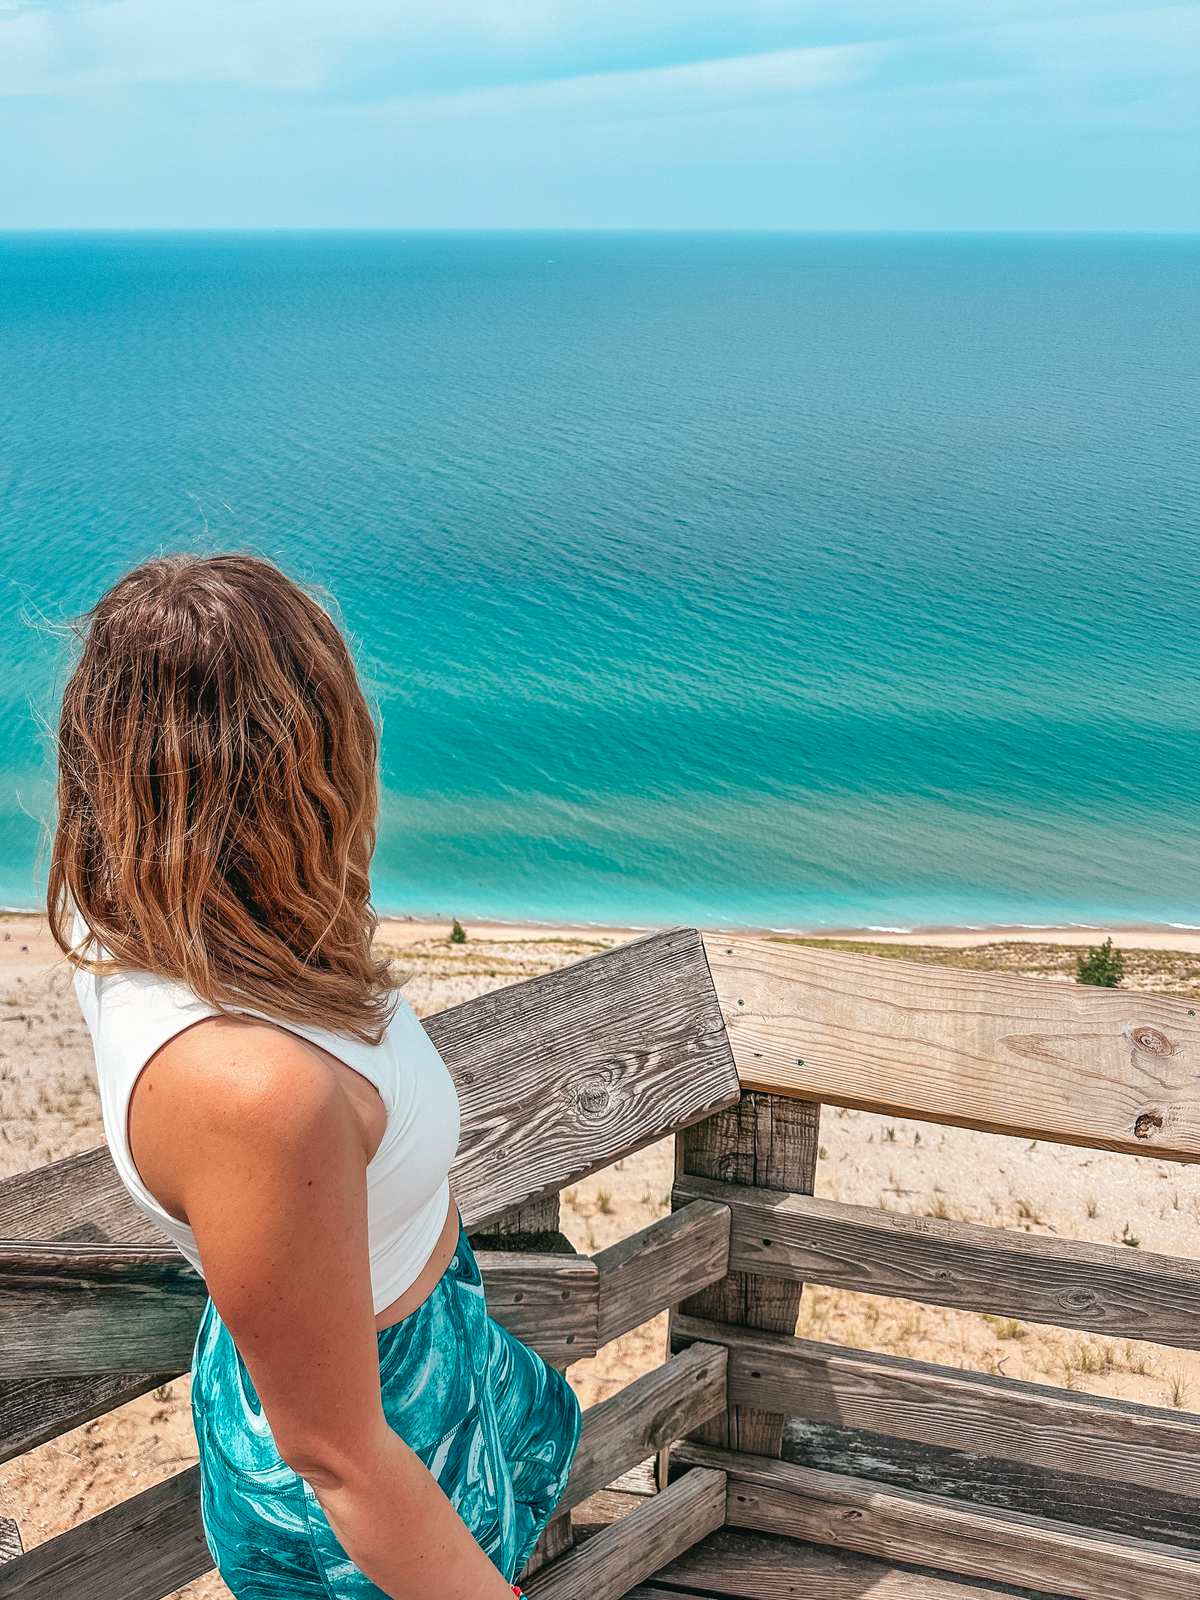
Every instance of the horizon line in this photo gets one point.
(598, 228)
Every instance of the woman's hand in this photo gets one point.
(267, 1161)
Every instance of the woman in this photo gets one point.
(275, 1106)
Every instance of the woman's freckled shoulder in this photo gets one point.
(246, 1071)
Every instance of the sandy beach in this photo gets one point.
(49, 1109)
(414, 930)
(25, 940)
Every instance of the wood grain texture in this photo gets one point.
(772, 1496)
(657, 1267)
(143, 1549)
(75, 1309)
(556, 1540)
(772, 1142)
(79, 1199)
(990, 1416)
(762, 1566)
(549, 1301)
(1074, 1063)
(34, 1410)
(10, 1540)
(629, 1551)
(1105, 1289)
(657, 1408)
(987, 1481)
(565, 1073)
(527, 1227)
(830, 1575)
(70, 1309)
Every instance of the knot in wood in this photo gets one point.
(1148, 1124)
(1080, 1300)
(1152, 1041)
(598, 1097)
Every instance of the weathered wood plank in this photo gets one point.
(609, 1505)
(557, 1538)
(79, 1199)
(987, 1481)
(658, 1407)
(651, 1591)
(828, 1575)
(1103, 1067)
(627, 1552)
(10, 1540)
(558, 1076)
(143, 1549)
(651, 1270)
(762, 1566)
(551, 1302)
(1105, 1289)
(33, 1410)
(636, 1480)
(772, 1496)
(74, 1309)
(1000, 1417)
(771, 1142)
(565, 1073)
(36, 1409)
(533, 1227)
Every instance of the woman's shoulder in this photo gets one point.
(231, 1059)
(228, 1094)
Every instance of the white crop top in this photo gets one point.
(131, 1014)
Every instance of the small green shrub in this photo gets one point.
(1101, 965)
(458, 934)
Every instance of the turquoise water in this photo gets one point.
(793, 581)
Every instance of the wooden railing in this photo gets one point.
(795, 1468)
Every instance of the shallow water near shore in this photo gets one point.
(772, 581)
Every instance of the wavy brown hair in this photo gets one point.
(218, 795)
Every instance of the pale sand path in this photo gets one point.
(48, 1109)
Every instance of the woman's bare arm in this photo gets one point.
(255, 1142)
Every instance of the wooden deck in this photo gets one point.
(788, 1469)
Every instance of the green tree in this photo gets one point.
(458, 934)
(1101, 965)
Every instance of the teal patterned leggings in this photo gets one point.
(495, 1425)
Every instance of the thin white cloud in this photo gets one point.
(664, 90)
(304, 46)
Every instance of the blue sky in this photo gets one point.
(1071, 114)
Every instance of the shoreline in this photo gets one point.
(398, 927)
(1134, 936)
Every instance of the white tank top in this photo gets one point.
(130, 1015)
